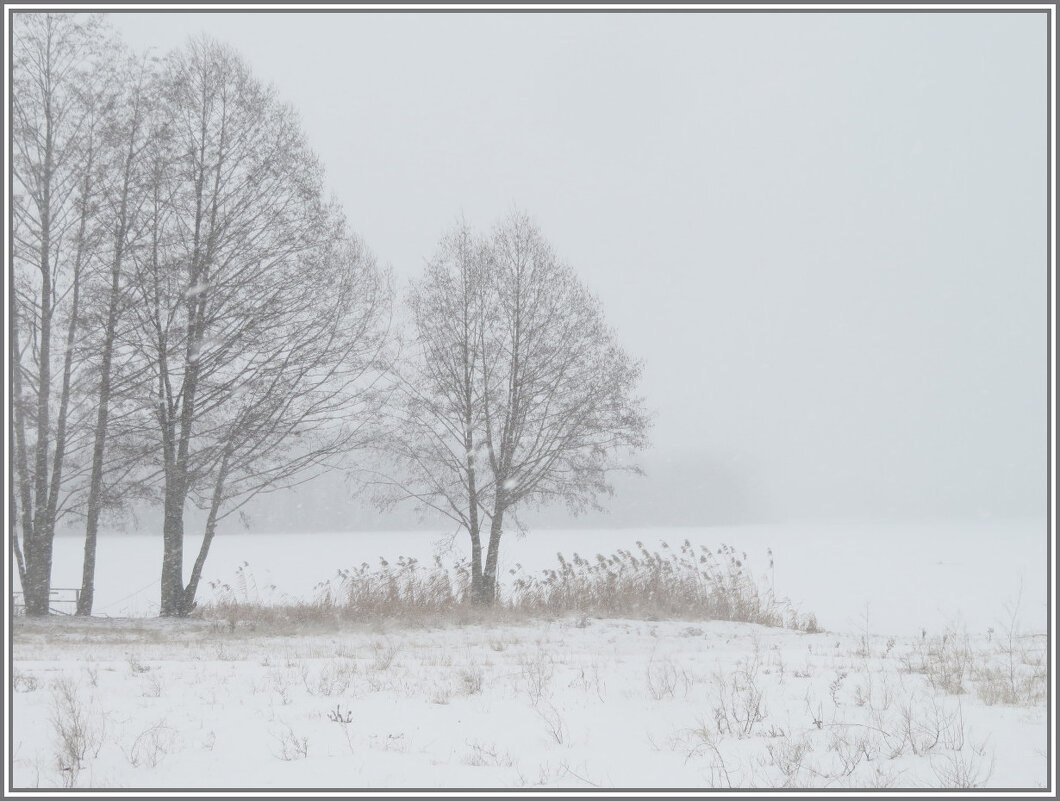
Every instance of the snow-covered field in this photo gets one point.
(930, 673)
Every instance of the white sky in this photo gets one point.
(824, 234)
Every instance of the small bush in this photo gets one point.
(340, 715)
(740, 701)
(333, 678)
(471, 679)
(948, 658)
(383, 655)
(537, 670)
(290, 746)
(152, 745)
(788, 757)
(24, 682)
(664, 679)
(78, 730)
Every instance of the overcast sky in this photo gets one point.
(824, 234)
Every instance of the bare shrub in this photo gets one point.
(383, 655)
(664, 679)
(340, 715)
(289, 746)
(553, 720)
(593, 680)
(441, 695)
(925, 726)
(702, 742)
(24, 682)
(1009, 672)
(963, 769)
(995, 685)
(487, 755)
(851, 749)
(151, 686)
(152, 745)
(789, 757)
(740, 703)
(1016, 672)
(332, 678)
(281, 682)
(948, 658)
(835, 686)
(537, 672)
(78, 730)
(471, 680)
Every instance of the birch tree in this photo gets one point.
(59, 104)
(434, 447)
(120, 219)
(515, 391)
(261, 318)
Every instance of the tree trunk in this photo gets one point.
(37, 590)
(489, 574)
(188, 599)
(477, 588)
(473, 519)
(59, 455)
(172, 602)
(18, 440)
(173, 591)
(95, 487)
(15, 547)
(38, 546)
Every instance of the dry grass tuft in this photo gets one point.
(686, 584)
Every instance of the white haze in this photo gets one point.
(824, 234)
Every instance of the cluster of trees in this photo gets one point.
(192, 322)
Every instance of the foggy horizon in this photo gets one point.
(824, 235)
(553, 401)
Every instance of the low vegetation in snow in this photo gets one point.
(689, 583)
(616, 672)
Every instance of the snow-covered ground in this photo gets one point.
(930, 673)
(609, 703)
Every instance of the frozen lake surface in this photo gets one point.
(904, 578)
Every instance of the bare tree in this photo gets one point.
(436, 418)
(176, 269)
(514, 391)
(122, 195)
(261, 318)
(59, 104)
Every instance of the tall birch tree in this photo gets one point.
(59, 94)
(261, 318)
